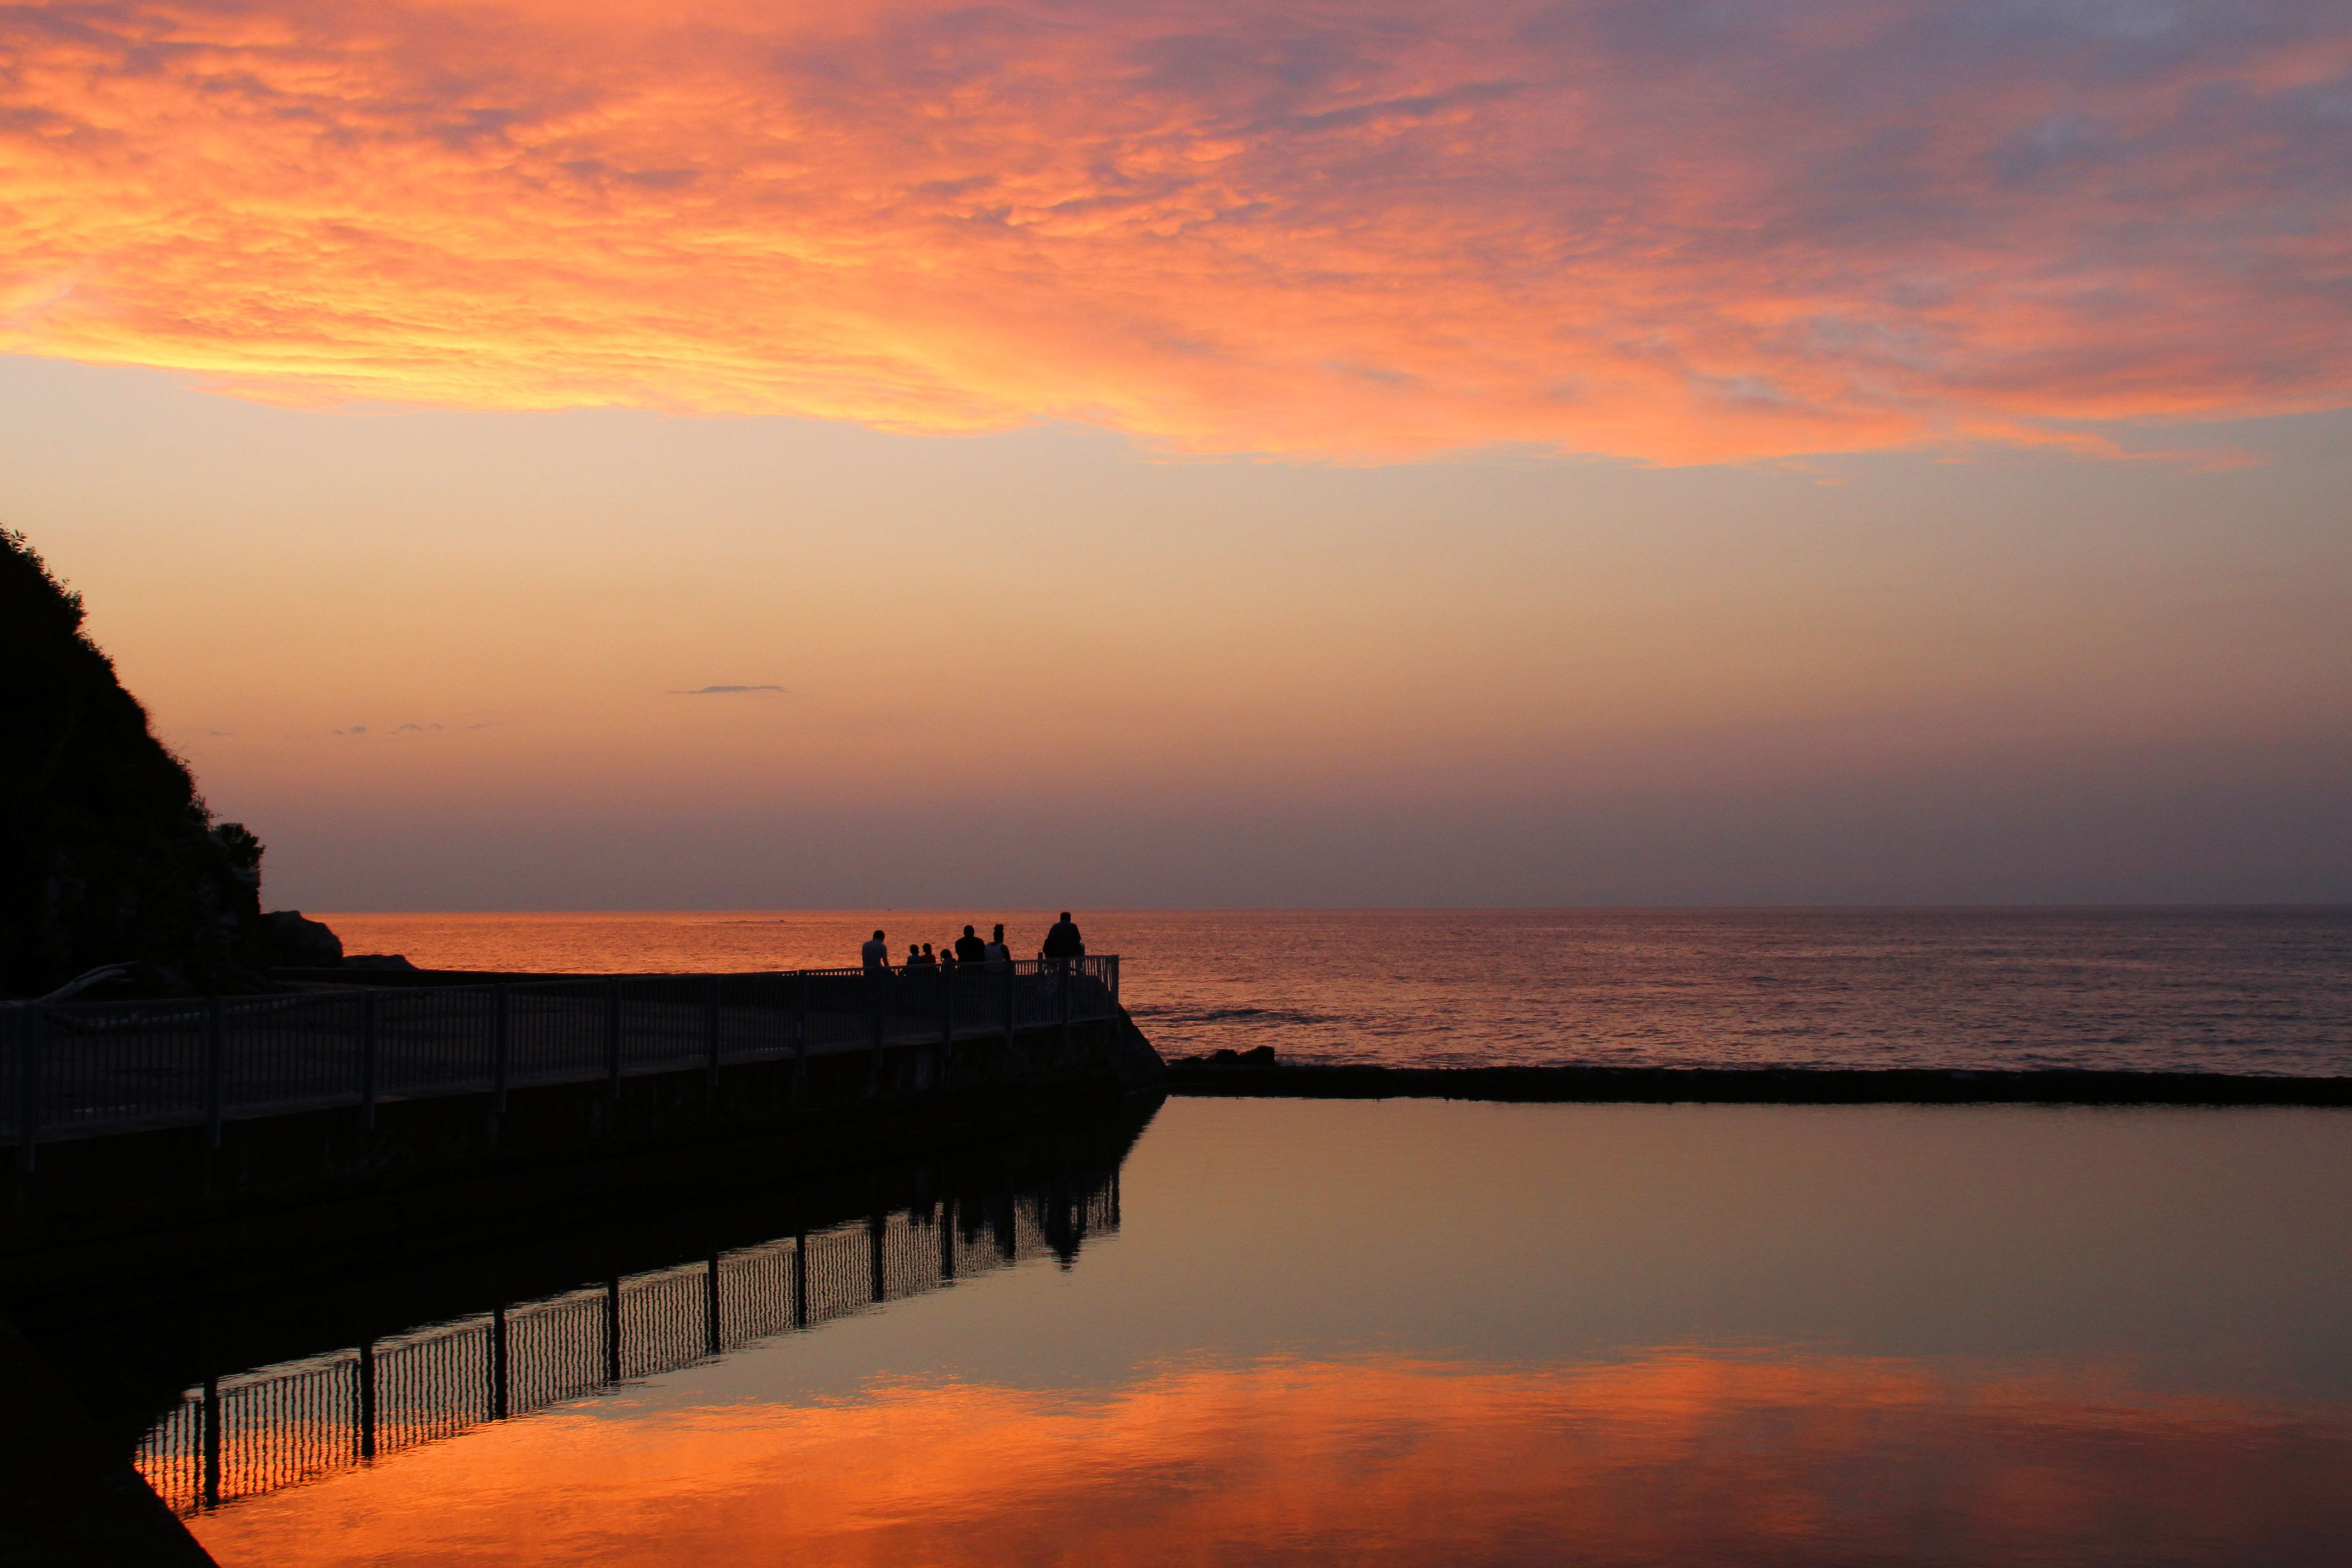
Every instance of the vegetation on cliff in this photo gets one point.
(108, 855)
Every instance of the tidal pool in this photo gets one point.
(1409, 1333)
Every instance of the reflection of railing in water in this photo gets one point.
(79, 1070)
(276, 1427)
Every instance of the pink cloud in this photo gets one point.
(1680, 232)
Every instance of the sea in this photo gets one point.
(2239, 989)
(1395, 1334)
(1404, 1333)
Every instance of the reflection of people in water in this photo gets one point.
(1064, 941)
(969, 948)
(875, 954)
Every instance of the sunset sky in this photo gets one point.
(719, 454)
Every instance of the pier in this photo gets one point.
(468, 1097)
(97, 1068)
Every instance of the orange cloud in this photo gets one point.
(1680, 1457)
(1666, 230)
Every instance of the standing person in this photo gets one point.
(875, 954)
(998, 955)
(1064, 941)
(969, 948)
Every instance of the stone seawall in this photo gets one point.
(1752, 1086)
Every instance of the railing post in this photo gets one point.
(1011, 1001)
(800, 1279)
(710, 1336)
(881, 1006)
(800, 1031)
(612, 1037)
(711, 1028)
(878, 1228)
(28, 1085)
(947, 1019)
(213, 1070)
(498, 1363)
(1062, 968)
(613, 1330)
(500, 1034)
(211, 1482)
(367, 1400)
(370, 1007)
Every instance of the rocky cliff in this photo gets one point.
(108, 855)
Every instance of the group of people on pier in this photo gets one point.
(1062, 940)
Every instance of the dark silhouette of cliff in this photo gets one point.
(108, 855)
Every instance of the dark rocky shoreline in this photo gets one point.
(1747, 1086)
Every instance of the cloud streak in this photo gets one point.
(725, 690)
(1668, 230)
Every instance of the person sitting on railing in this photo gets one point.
(875, 954)
(999, 956)
(969, 948)
(1064, 941)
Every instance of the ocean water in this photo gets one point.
(1409, 1334)
(2231, 990)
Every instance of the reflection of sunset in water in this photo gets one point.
(1682, 1456)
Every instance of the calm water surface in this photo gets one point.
(1433, 1334)
(2224, 990)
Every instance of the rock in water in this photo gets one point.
(108, 855)
(298, 944)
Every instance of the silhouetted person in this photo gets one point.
(969, 948)
(1064, 941)
(999, 956)
(875, 954)
(914, 958)
(928, 960)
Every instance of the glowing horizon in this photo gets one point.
(1364, 231)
